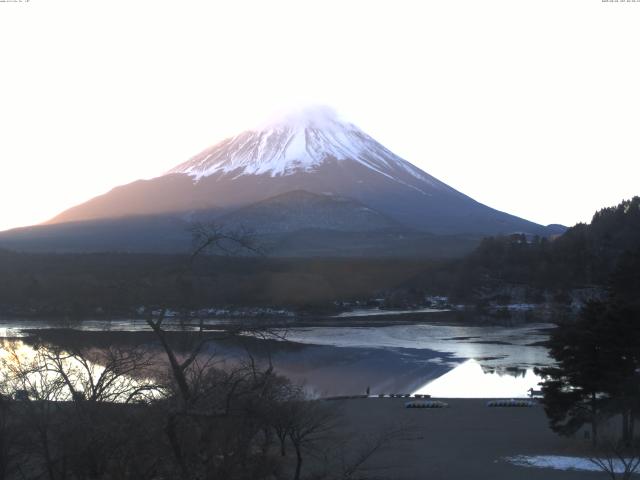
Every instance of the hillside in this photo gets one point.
(585, 256)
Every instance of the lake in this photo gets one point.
(427, 356)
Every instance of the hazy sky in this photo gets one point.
(532, 107)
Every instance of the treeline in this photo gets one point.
(584, 256)
(113, 283)
(81, 285)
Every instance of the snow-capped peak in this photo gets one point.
(298, 141)
(319, 116)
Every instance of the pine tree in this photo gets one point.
(576, 389)
(597, 374)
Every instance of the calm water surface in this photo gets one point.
(440, 360)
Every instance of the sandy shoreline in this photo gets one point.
(468, 440)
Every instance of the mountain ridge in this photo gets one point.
(302, 210)
(313, 151)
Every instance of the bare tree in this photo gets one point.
(217, 418)
(619, 459)
(214, 237)
(114, 374)
(178, 368)
(353, 466)
(74, 412)
(311, 423)
(25, 378)
(245, 405)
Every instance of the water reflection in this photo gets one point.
(16, 328)
(472, 380)
(47, 372)
(495, 346)
(341, 360)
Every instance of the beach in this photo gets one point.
(467, 440)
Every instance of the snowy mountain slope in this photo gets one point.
(301, 142)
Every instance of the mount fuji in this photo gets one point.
(305, 178)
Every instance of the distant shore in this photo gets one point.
(305, 319)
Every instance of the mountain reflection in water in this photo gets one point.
(437, 359)
(471, 380)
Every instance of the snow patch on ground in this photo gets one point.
(559, 462)
(374, 312)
